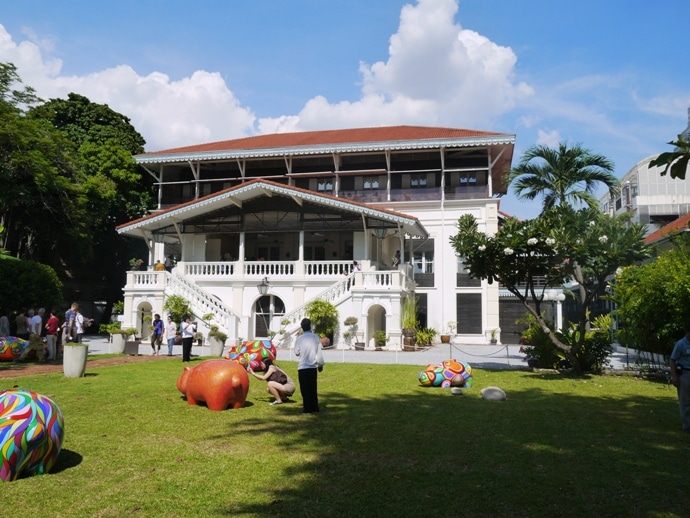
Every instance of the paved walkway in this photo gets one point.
(499, 356)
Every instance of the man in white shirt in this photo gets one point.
(308, 350)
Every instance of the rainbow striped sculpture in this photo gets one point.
(252, 353)
(31, 433)
(448, 373)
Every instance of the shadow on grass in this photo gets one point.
(427, 453)
(66, 460)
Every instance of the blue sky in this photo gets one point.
(610, 75)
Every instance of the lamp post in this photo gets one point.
(556, 298)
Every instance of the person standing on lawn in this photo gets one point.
(680, 376)
(187, 329)
(51, 327)
(157, 336)
(170, 334)
(308, 350)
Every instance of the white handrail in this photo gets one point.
(204, 302)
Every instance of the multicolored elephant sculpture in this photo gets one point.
(253, 353)
(448, 373)
(218, 383)
(31, 433)
(11, 348)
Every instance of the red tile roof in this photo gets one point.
(338, 136)
(675, 226)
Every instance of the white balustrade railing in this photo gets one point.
(203, 303)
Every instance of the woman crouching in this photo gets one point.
(280, 385)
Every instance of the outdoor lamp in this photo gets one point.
(263, 286)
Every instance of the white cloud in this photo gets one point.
(549, 139)
(195, 109)
(437, 73)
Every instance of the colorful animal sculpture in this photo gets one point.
(253, 353)
(31, 433)
(218, 383)
(448, 373)
(11, 348)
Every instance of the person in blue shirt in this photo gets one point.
(680, 376)
(157, 336)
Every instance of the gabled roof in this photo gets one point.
(677, 225)
(228, 211)
(330, 141)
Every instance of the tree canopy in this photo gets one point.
(567, 175)
(68, 179)
(653, 300)
(562, 245)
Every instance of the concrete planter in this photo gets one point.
(74, 360)
(217, 346)
(118, 343)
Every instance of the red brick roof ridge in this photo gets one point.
(324, 137)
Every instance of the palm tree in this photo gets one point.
(562, 176)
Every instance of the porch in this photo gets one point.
(259, 299)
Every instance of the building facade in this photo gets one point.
(653, 199)
(260, 226)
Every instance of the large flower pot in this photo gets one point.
(118, 343)
(74, 360)
(217, 346)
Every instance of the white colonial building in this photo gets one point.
(261, 226)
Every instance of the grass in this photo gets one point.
(382, 446)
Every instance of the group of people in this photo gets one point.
(43, 331)
(171, 334)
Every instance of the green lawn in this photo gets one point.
(382, 446)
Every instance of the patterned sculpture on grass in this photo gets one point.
(218, 383)
(31, 433)
(253, 353)
(11, 348)
(448, 373)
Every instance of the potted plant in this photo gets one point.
(380, 339)
(408, 322)
(136, 264)
(494, 333)
(216, 340)
(131, 343)
(451, 330)
(351, 323)
(120, 336)
(425, 336)
(324, 318)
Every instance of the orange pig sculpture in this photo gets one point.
(218, 383)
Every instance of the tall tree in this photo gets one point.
(113, 189)
(562, 244)
(567, 175)
(39, 171)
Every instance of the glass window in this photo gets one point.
(371, 182)
(418, 180)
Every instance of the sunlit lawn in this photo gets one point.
(382, 446)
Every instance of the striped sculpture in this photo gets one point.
(31, 433)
